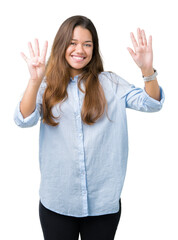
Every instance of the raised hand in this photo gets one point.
(36, 63)
(143, 55)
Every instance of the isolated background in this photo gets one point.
(149, 197)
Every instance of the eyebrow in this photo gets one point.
(77, 40)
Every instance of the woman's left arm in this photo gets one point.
(143, 57)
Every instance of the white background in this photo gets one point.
(149, 197)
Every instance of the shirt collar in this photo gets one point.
(75, 78)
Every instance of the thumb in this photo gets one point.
(131, 52)
(23, 56)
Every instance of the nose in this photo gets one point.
(79, 48)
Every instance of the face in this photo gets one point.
(80, 50)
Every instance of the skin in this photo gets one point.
(36, 62)
(36, 67)
(81, 46)
(142, 55)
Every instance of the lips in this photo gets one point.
(77, 58)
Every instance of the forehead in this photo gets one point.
(81, 34)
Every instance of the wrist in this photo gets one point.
(33, 83)
(147, 72)
(150, 77)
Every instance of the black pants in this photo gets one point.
(60, 227)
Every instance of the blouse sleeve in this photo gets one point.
(137, 98)
(33, 118)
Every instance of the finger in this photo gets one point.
(150, 42)
(32, 54)
(24, 56)
(134, 42)
(144, 38)
(37, 49)
(140, 40)
(35, 63)
(44, 51)
(131, 52)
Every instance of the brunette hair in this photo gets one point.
(57, 74)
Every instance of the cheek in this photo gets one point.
(67, 55)
(68, 51)
(89, 52)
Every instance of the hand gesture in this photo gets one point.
(143, 55)
(36, 63)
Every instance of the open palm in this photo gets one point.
(143, 55)
(36, 63)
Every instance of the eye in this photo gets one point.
(72, 43)
(88, 45)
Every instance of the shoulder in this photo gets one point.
(113, 79)
(108, 79)
(111, 76)
(114, 82)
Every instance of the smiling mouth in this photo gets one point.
(78, 58)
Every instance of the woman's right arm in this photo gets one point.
(28, 104)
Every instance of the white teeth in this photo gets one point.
(77, 57)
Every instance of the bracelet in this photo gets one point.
(152, 77)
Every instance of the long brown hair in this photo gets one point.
(57, 74)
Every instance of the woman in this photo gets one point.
(83, 148)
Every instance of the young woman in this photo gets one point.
(83, 130)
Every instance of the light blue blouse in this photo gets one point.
(82, 166)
